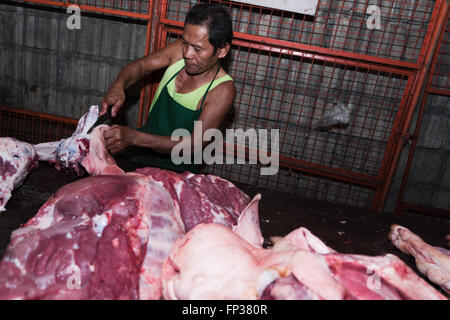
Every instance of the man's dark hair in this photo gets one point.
(216, 19)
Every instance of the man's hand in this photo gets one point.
(114, 98)
(118, 138)
(134, 71)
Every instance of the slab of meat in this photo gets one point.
(202, 198)
(102, 237)
(106, 236)
(17, 158)
(99, 160)
(70, 152)
(433, 262)
(80, 153)
(212, 262)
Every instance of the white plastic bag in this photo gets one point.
(336, 115)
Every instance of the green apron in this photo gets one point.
(166, 116)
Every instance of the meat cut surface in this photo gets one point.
(201, 198)
(106, 236)
(80, 153)
(98, 160)
(91, 240)
(70, 152)
(154, 233)
(17, 158)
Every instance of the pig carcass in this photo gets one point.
(433, 262)
(17, 158)
(69, 153)
(213, 262)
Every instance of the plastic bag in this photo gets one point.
(336, 115)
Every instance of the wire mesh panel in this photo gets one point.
(130, 6)
(290, 69)
(427, 190)
(290, 92)
(393, 29)
(33, 127)
(421, 190)
(441, 76)
(298, 183)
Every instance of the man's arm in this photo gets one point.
(134, 71)
(218, 103)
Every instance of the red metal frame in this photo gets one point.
(97, 9)
(415, 73)
(307, 166)
(305, 50)
(417, 91)
(267, 36)
(34, 127)
(327, 56)
(444, 90)
(273, 37)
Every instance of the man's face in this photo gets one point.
(198, 52)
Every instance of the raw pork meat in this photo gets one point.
(17, 158)
(201, 198)
(197, 198)
(106, 236)
(212, 262)
(433, 262)
(102, 237)
(98, 160)
(69, 153)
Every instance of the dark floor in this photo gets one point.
(345, 229)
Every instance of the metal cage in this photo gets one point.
(289, 67)
(34, 127)
(438, 84)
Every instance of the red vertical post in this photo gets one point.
(400, 205)
(417, 91)
(150, 46)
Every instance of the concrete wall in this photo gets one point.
(429, 179)
(46, 67)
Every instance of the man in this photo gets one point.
(194, 88)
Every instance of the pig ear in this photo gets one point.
(301, 238)
(248, 224)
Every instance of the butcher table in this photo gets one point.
(345, 229)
